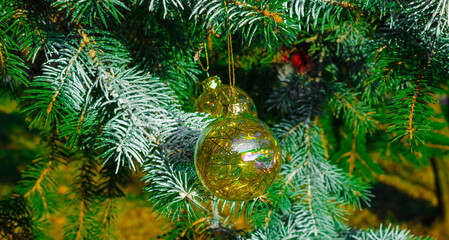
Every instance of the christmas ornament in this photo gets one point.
(217, 96)
(236, 156)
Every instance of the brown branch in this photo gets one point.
(291, 131)
(276, 16)
(2, 60)
(308, 139)
(437, 146)
(289, 179)
(81, 219)
(309, 200)
(105, 218)
(410, 128)
(362, 117)
(323, 137)
(291, 175)
(83, 42)
(81, 121)
(390, 70)
(345, 5)
(92, 53)
(37, 186)
(353, 153)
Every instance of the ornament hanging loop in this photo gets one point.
(231, 64)
(198, 54)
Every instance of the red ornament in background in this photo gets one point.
(298, 58)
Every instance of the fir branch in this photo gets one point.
(260, 20)
(298, 98)
(381, 7)
(344, 4)
(138, 122)
(353, 154)
(285, 185)
(12, 67)
(386, 233)
(434, 13)
(33, 32)
(65, 72)
(357, 114)
(33, 29)
(172, 193)
(166, 5)
(88, 11)
(411, 128)
(353, 158)
(106, 220)
(411, 117)
(411, 77)
(37, 184)
(81, 220)
(437, 146)
(324, 11)
(97, 66)
(315, 152)
(2, 60)
(38, 187)
(317, 200)
(110, 188)
(52, 92)
(319, 124)
(15, 218)
(309, 200)
(80, 223)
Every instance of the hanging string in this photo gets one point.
(231, 65)
(198, 54)
(231, 61)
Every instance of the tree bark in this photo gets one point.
(440, 207)
(441, 170)
(440, 167)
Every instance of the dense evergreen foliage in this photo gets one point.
(111, 84)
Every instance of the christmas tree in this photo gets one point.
(111, 85)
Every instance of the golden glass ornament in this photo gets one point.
(217, 96)
(237, 157)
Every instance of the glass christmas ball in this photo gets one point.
(217, 96)
(236, 156)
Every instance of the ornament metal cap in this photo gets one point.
(211, 83)
(237, 109)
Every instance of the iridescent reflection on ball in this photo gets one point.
(237, 157)
(217, 96)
